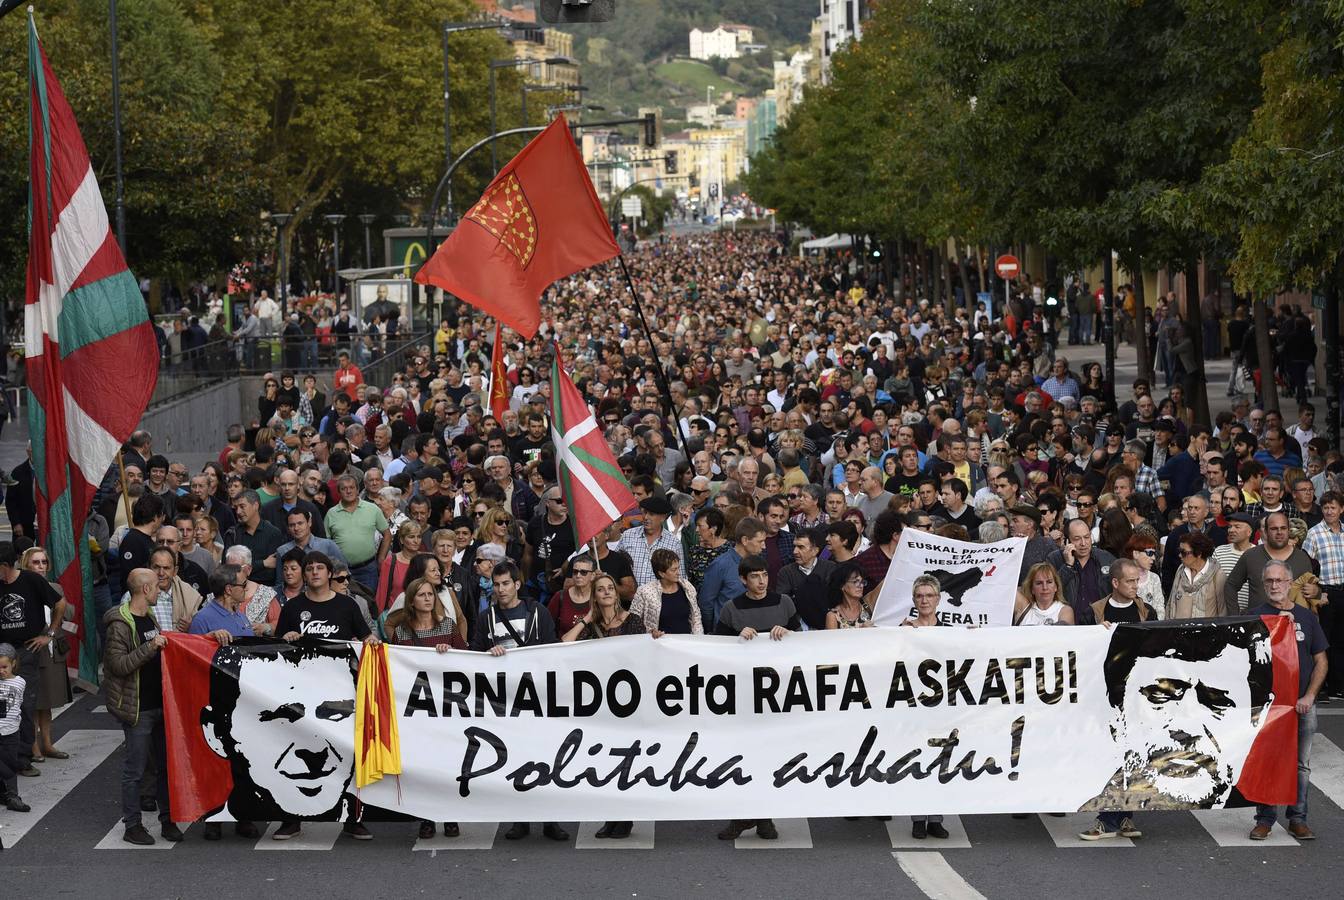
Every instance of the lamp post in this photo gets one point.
(496, 64)
(335, 220)
(451, 28)
(367, 219)
(120, 202)
(281, 219)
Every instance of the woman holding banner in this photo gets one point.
(1040, 599)
(424, 622)
(606, 618)
(667, 605)
(925, 594)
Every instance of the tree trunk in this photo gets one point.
(980, 266)
(1269, 391)
(1196, 388)
(1144, 364)
(1330, 327)
(964, 270)
(945, 272)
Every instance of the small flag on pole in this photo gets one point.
(499, 377)
(596, 492)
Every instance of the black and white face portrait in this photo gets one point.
(1183, 722)
(288, 735)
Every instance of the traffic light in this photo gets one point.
(653, 126)
(571, 11)
(670, 164)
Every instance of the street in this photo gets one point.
(70, 845)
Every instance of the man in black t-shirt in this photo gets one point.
(550, 541)
(23, 596)
(147, 515)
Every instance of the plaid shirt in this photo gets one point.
(162, 610)
(1146, 481)
(636, 545)
(1327, 548)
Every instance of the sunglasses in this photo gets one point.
(579, 573)
(504, 521)
(1082, 505)
(340, 579)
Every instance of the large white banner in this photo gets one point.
(978, 581)
(855, 722)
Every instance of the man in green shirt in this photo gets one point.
(360, 529)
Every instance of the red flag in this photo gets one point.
(596, 492)
(499, 377)
(538, 221)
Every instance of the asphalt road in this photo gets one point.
(70, 846)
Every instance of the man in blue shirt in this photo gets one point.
(299, 526)
(1277, 455)
(722, 584)
(1311, 669)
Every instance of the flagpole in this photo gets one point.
(125, 494)
(663, 383)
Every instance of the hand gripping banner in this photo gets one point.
(1180, 715)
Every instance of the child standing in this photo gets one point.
(11, 703)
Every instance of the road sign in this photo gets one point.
(632, 207)
(1007, 266)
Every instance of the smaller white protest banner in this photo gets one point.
(978, 581)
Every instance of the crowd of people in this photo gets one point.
(813, 416)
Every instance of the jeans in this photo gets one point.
(144, 738)
(1297, 812)
(1113, 819)
(367, 574)
(1085, 327)
(310, 354)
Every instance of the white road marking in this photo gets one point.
(641, 838)
(898, 829)
(1232, 828)
(794, 834)
(88, 750)
(935, 877)
(1327, 768)
(471, 836)
(1064, 832)
(113, 841)
(314, 836)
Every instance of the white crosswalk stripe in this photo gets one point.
(898, 829)
(1064, 832)
(1327, 768)
(88, 750)
(313, 836)
(471, 836)
(1232, 828)
(113, 839)
(641, 838)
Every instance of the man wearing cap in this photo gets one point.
(1240, 527)
(640, 542)
(1025, 522)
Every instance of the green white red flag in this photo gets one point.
(595, 491)
(91, 355)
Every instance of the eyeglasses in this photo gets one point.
(1083, 505)
(579, 573)
(340, 579)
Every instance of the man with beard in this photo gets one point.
(1187, 706)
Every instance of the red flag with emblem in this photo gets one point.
(499, 377)
(595, 491)
(538, 221)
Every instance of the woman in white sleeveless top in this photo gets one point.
(1040, 599)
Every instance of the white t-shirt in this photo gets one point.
(11, 704)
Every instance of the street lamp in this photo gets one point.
(335, 220)
(281, 219)
(450, 28)
(367, 219)
(513, 64)
(532, 89)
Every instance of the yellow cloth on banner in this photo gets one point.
(378, 746)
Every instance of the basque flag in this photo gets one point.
(92, 360)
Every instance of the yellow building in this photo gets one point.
(531, 42)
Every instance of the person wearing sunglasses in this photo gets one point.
(1197, 592)
(574, 600)
(1143, 549)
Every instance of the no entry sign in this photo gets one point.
(1007, 266)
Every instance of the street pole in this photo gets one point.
(116, 127)
(450, 28)
(282, 275)
(367, 219)
(494, 155)
(335, 220)
(1108, 332)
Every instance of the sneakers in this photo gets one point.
(30, 772)
(919, 830)
(554, 832)
(14, 803)
(136, 834)
(1098, 832)
(519, 831)
(766, 830)
(936, 830)
(287, 830)
(171, 833)
(1129, 830)
(357, 831)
